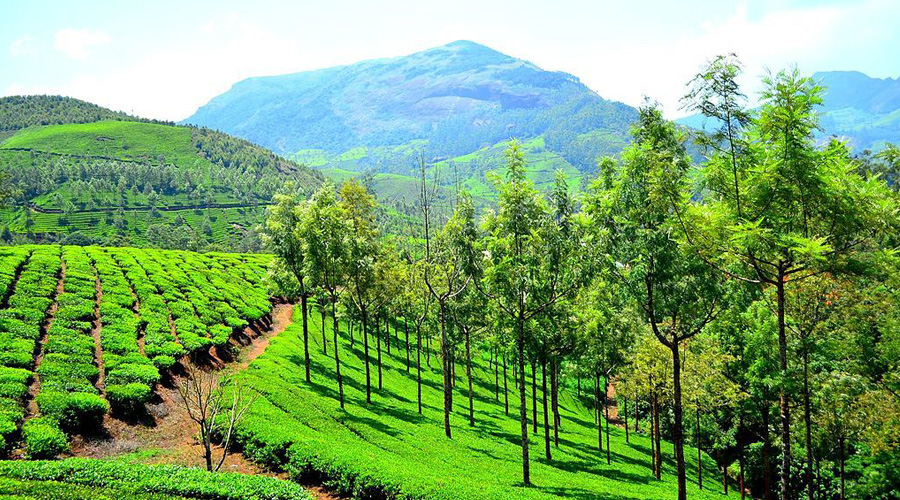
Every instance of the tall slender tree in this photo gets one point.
(327, 231)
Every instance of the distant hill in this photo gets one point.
(862, 110)
(446, 101)
(89, 174)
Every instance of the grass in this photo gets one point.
(19, 489)
(388, 448)
(80, 478)
(112, 139)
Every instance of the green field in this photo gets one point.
(88, 330)
(387, 448)
(77, 479)
(113, 139)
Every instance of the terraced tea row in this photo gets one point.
(87, 329)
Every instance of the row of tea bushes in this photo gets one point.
(16, 342)
(130, 376)
(68, 374)
(182, 482)
(160, 345)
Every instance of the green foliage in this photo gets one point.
(161, 480)
(43, 439)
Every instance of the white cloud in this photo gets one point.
(172, 83)
(23, 47)
(813, 38)
(76, 43)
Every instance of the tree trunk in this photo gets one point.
(724, 478)
(445, 355)
(324, 341)
(656, 434)
(677, 427)
(523, 409)
(652, 438)
(419, 365)
(406, 329)
(303, 313)
(387, 334)
(469, 376)
(783, 395)
(554, 398)
(505, 388)
(378, 346)
(534, 423)
(546, 413)
(598, 412)
(337, 352)
(365, 336)
(350, 329)
(606, 405)
(496, 377)
(625, 402)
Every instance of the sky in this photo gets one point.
(164, 59)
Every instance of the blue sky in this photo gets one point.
(163, 59)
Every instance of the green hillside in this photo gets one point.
(387, 449)
(137, 182)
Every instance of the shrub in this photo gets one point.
(72, 410)
(43, 438)
(128, 396)
(163, 479)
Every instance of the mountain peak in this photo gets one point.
(456, 97)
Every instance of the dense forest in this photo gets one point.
(745, 305)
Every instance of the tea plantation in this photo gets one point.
(87, 330)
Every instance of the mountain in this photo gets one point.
(85, 174)
(449, 101)
(862, 110)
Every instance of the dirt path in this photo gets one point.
(31, 407)
(281, 319)
(165, 434)
(97, 335)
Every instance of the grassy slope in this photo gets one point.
(114, 139)
(300, 426)
(127, 141)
